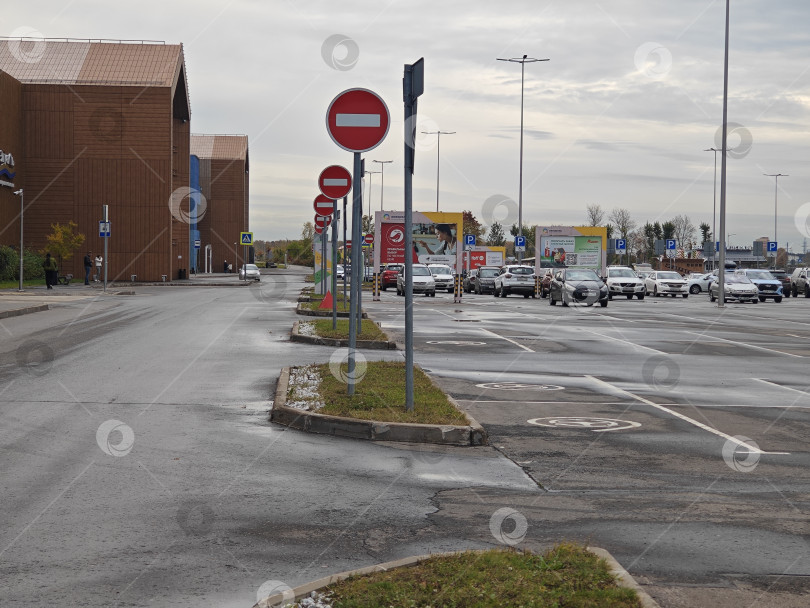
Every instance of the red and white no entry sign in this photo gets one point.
(318, 230)
(323, 205)
(323, 220)
(357, 120)
(369, 238)
(335, 182)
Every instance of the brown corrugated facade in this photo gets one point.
(11, 147)
(96, 124)
(223, 181)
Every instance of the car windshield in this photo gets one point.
(621, 272)
(394, 267)
(760, 274)
(668, 275)
(737, 278)
(441, 270)
(581, 275)
(520, 270)
(252, 267)
(488, 273)
(420, 271)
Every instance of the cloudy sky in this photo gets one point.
(620, 115)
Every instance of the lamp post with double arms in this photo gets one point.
(438, 135)
(382, 164)
(714, 210)
(775, 192)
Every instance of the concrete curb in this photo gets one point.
(312, 422)
(623, 579)
(322, 313)
(337, 342)
(18, 312)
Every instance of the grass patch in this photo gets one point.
(315, 303)
(370, 330)
(15, 284)
(380, 395)
(566, 575)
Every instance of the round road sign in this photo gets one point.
(369, 238)
(357, 120)
(323, 205)
(335, 182)
(318, 229)
(323, 220)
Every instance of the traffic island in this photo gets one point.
(320, 332)
(314, 398)
(566, 574)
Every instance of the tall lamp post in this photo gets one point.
(776, 177)
(22, 209)
(522, 61)
(370, 173)
(714, 209)
(235, 258)
(382, 179)
(438, 135)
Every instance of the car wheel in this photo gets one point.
(432, 294)
(610, 295)
(686, 295)
(711, 297)
(629, 296)
(384, 287)
(761, 299)
(640, 296)
(494, 292)
(786, 292)
(526, 296)
(655, 291)
(794, 291)
(694, 289)
(603, 303)
(807, 290)
(450, 290)
(754, 300)
(777, 299)
(534, 297)
(503, 292)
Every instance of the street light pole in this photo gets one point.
(714, 209)
(369, 173)
(522, 61)
(22, 209)
(382, 179)
(775, 191)
(438, 135)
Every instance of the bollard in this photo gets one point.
(376, 291)
(538, 287)
(457, 284)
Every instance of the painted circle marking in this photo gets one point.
(588, 423)
(519, 386)
(456, 342)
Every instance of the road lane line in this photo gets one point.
(787, 388)
(692, 421)
(753, 346)
(492, 333)
(612, 339)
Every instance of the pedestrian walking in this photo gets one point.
(99, 261)
(88, 265)
(51, 271)
(225, 266)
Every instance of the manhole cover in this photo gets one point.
(519, 386)
(597, 425)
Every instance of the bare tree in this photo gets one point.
(684, 230)
(622, 221)
(595, 215)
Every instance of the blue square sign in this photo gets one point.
(621, 244)
(772, 246)
(469, 240)
(520, 243)
(671, 244)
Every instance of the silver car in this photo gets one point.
(737, 287)
(250, 271)
(442, 276)
(666, 283)
(422, 281)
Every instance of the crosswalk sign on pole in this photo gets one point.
(246, 238)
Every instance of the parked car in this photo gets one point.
(784, 278)
(737, 287)
(514, 279)
(699, 281)
(443, 276)
(767, 285)
(578, 287)
(799, 282)
(250, 271)
(623, 281)
(389, 275)
(482, 279)
(422, 281)
(272, 265)
(667, 283)
(547, 274)
(340, 271)
(468, 283)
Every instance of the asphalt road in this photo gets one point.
(670, 432)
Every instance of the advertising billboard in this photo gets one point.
(437, 238)
(571, 246)
(484, 255)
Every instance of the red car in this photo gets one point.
(389, 275)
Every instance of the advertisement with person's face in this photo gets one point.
(435, 238)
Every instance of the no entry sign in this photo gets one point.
(318, 230)
(369, 238)
(323, 205)
(357, 120)
(323, 221)
(335, 182)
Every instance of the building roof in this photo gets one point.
(220, 147)
(75, 62)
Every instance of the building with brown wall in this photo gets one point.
(11, 175)
(223, 169)
(95, 123)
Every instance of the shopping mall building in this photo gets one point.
(85, 124)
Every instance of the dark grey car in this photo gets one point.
(578, 287)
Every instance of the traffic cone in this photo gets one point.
(327, 301)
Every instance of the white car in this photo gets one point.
(737, 287)
(443, 276)
(515, 279)
(666, 283)
(250, 271)
(422, 281)
(699, 281)
(623, 281)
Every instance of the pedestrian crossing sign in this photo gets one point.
(246, 238)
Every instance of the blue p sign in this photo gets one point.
(671, 243)
(772, 246)
(621, 244)
(520, 243)
(469, 239)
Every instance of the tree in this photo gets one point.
(705, 232)
(623, 222)
(649, 238)
(781, 258)
(308, 232)
(684, 230)
(496, 237)
(64, 240)
(368, 224)
(472, 225)
(667, 230)
(596, 216)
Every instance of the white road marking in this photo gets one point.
(612, 339)
(769, 350)
(787, 388)
(357, 120)
(492, 333)
(692, 421)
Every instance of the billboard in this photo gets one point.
(437, 238)
(484, 255)
(571, 246)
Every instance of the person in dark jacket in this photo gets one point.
(88, 265)
(51, 271)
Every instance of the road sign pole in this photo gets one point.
(324, 239)
(357, 210)
(335, 217)
(105, 212)
(345, 198)
(361, 273)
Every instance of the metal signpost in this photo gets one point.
(104, 232)
(621, 246)
(335, 182)
(520, 245)
(357, 120)
(671, 246)
(413, 85)
(246, 238)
